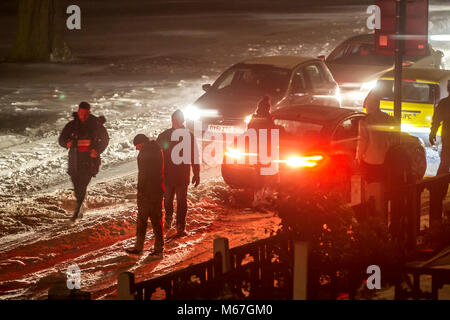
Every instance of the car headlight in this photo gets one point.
(367, 86)
(194, 113)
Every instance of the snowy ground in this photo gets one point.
(159, 64)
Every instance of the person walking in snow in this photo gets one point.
(150, 194)
(86, 138)
(177, 176)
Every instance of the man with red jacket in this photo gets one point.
(86, 138)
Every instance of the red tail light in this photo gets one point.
(300, 162)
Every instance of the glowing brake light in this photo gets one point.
(297, 162)
(237, 154)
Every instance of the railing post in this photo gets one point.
(125, 286)
(412, 213)
(220, 245)
(300, 285)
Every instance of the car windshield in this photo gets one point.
(414, 92)
(254, 80)
(364, 54)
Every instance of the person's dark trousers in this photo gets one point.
(444, 167)
(180, 191)
(80, 183)
(150, 207)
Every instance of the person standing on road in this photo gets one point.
(375, 139)
(86, 138)
(177, 176)
(263, 120)
(149, 194)
(441, 115)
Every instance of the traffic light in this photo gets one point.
(415, 27)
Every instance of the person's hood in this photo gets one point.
(100, 119)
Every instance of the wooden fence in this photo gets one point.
(272, 268)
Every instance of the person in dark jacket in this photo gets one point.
(86, 138)
(442, 116)
(262, 119)
(149, 194)
(177, 176)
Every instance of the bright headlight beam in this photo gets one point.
(367, 86)
(194, 113)
(440, 37)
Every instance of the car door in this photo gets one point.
(345, 137)
(321, 85)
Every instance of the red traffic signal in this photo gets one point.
(415, 35)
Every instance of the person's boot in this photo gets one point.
(75, 214)
(180, 233)
(167, 225)
(133, 250)
(157, 253)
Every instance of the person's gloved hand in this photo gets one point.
(94, 154)
(196, 180)
(432, 139)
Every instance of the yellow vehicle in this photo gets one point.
(421, 92)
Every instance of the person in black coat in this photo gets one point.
(177, 176)
(150, 194)
(263, 122)
(441, 117)
(86, 138)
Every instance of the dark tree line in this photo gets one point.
(40, 30)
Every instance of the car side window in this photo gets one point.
(298, 83)
(227, 80)
(314, 75)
